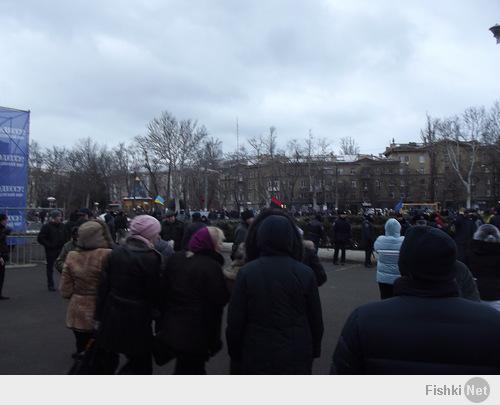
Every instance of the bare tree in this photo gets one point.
(461, 138)
(430, 141)
(348, 146)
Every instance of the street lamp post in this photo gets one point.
(496, 32)
(52, 202)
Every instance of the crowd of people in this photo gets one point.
(149, 291)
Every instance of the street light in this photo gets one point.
(51, 201)
(496, 32)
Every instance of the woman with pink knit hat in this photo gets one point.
(195, 294)
(129, 295)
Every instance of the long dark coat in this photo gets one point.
(128, 298)
(274, 320)
(194, 294)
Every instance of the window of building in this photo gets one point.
(488, 193)
(401, 171)
(421, 159)
(353, 171)
(421, 170)
(353, 184)
(377, 184)
(402, 183)
(341, 171)
(391, 194)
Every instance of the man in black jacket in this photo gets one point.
(172, 229)
(315, 231)
(368, 239)
(195, 225)
(52, 237)
(240, 233)
(4, 251)
(495, 219)
(426, 328)
(341, 235)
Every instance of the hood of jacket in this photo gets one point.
(393, 228)
(93, 234)
(275, 237)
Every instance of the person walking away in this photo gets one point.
(172, 230)
(80, 279)
(109, 218)
(121, 226)
(341, 236)
(483, 260)
(129, 297)
(464, 231)
(4, 251)
(240, 234)
(315, 231)
(367, 239)
(495, 219)
(52, 237)
(68, 247)
(311, 259)
(426, 328)
(195, 293)
(387, 248)
(70, 224)
(274, 323)
(195, 225)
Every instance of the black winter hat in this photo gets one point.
(428, 254)
(247, 214)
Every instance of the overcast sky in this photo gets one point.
(366, 69)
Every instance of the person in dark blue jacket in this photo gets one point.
(275, 321)
(426, 328)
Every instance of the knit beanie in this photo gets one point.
(201, 241)
(146, 226)
(55, 213)
(428, 254)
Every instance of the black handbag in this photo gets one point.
(94, 361)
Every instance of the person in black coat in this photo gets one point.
(192, 228)
(129, 296)
(172, 229)
(495, 219)
(274, 321)
(240, 234)
(315, 231)
(341, 231)
(426, 328)
(52, 237)
(4, 251)
(464, 232)
(483, 260)
(195, 293)
(368, 239)
(311, 259)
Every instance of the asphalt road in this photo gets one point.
(35, 340)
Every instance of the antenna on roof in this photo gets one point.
(237, 135)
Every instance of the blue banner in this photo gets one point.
(14, 145)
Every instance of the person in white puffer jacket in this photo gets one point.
(387, 248)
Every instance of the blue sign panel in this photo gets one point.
(14, 145)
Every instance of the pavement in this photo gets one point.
(35, 340)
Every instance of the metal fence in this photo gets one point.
(24, 249)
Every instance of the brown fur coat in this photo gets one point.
(81, 274)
